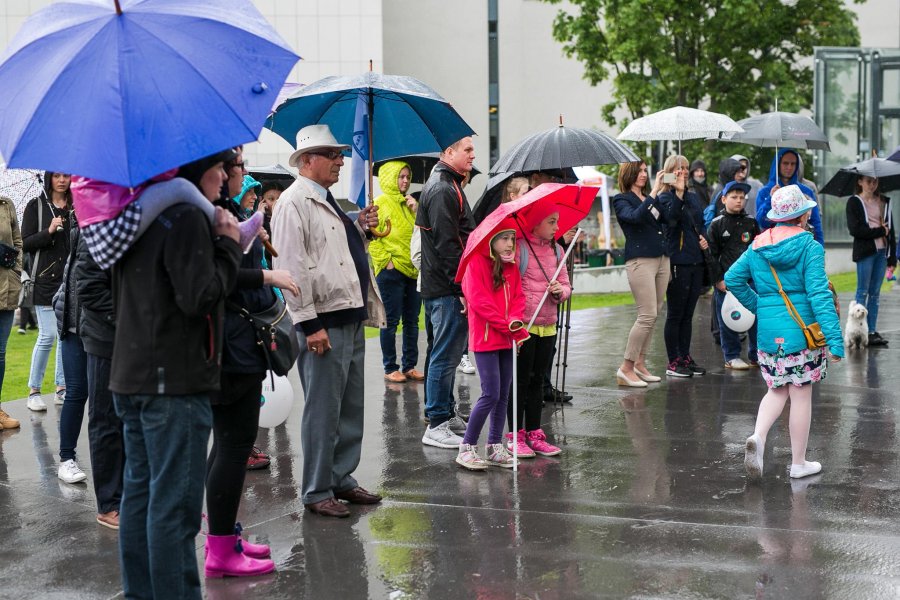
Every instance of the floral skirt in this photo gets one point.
(797, 368)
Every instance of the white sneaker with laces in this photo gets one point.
(441, 437)
(497, 455)
(465, 365)
(469, 458)
(70, 472)
(737, 364)
(59, 398)
(36, 403)
(457, 425)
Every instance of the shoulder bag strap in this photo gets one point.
(37, 255)
(792, 310)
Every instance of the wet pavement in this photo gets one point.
(648, 499)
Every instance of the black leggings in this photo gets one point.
(235, 425)
(681, 298)
(535, 358)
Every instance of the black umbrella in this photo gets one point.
(421, 165)
(844, 181)
(563, 147)
(273, 173)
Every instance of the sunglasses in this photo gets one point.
(330, 155)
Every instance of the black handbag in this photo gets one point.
(274, 333)
(8, 256)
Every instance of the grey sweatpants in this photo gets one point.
(332, 427)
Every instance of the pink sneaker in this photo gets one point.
(538, 442)
(523, 448)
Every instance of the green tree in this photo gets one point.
(730, 56)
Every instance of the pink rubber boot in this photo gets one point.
(225, 558)
(250, 549)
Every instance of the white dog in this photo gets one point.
(856, 331)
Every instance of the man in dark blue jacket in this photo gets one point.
(785, 170)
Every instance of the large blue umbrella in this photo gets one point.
(407, 116)
(122, 90)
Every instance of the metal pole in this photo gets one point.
(570, 266)
(515, 408)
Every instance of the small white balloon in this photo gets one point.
(735, 316)
(275, 403)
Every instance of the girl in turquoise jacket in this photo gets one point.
(787, 365)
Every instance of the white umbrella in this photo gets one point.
(679, 123)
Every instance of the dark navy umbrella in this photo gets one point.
(563, 147)
(407, 116)
(895, 156)
(421, 165)
(123, 90)
(844, 181)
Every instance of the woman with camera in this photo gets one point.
(45, 236)
(642, 218)
(787, 266)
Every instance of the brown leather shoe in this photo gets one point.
(358, 495)
(329, 507)
(395, 377)
(414, 375)
(7, 422)
(110, 519)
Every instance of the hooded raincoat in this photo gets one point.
(800, 264)
(395, 247)
(764, 198)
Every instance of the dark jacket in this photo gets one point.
(93, 287)
(685, 223)
(240, 351)
(169, 290)
(446, 221)
(645, 232)
(864, 236)
(701, 189)
(65, 301)
(729, 236)
(48, 274)
(728, 169)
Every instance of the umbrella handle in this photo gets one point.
(385, 233)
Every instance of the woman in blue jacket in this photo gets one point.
(787, 365)
(686, 247)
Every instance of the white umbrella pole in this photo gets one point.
(560, 267)
(604, 206)
(515, 408)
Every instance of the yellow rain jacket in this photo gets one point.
(392, 205)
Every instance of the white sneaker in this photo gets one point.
(35, 403)
(469, 458)
(737, 364)
(457, 425)
(753, 458)
(70, 472)
(441, 437)
(59, 398)
(465, 365)
(805, 470)
(498, 456)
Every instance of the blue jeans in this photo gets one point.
(450, 329)
(162, 499)
(869, 276)
(731, 341)
(401, 300)
(6, 321)
(46, 320)
(74, 362)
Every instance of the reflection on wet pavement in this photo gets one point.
(648, 499)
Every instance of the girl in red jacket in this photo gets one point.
(539, 258)
(495, 304)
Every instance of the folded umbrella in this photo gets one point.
(844, 181)
(123, 90)
(562, 147)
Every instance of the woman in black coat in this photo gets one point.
(45, 238)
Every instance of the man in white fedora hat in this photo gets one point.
(325, 251)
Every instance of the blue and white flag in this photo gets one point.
(358, 169)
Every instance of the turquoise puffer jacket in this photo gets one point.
(800, 263)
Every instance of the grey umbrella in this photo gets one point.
(844, 181)
(560, 148)
(778, 129)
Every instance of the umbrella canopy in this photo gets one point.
(562, 147)
(20, 186)
(272, 173)
(777, 129)
(679, 123)
(421, 165)
(844, 181)
(493, 192)
(121, 96)
(572, 201)
(408, 117)
(896, 155)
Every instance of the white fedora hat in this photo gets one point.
(314, 137)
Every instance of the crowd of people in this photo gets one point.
(143, 333)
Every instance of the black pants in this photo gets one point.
(235, 423)
(681, 299)
(534, 359)
(104, 436)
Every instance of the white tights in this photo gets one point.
(771, 407)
